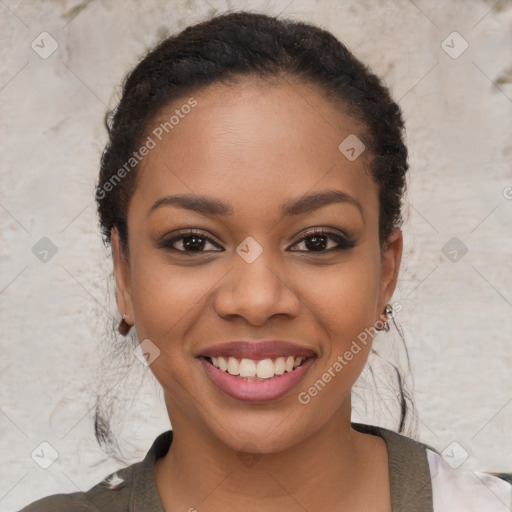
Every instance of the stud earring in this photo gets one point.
(388, 312)
(124, 326)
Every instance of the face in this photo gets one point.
(263, 262)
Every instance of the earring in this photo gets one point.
(124, 326)
(388, 312)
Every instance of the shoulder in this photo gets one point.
(456, 490)
(419, 476)
(129, 488)
(112, 494)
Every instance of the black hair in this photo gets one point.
(236, 45)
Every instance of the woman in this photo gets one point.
(251, 193)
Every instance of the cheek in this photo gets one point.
(167, 305)
(348, 293)
(164, 298)
(162, 294)
(347, 306)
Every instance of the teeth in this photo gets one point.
(222, 364)
(247, 368)
(233, 366)
(279, 366)
(263, 369)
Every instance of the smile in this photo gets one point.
(256, 380)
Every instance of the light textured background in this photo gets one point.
(55, 315)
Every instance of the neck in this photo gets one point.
(334, 467)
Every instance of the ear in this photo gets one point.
(391, 257)
(123, 276)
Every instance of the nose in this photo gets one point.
(257, 291)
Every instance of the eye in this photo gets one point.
(190, 241)
(317, 240)
(195, 241)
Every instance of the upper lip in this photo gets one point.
(267, 349)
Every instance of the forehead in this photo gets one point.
(251, 142)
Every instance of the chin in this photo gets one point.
(258, 432)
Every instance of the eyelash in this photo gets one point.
(343, 243)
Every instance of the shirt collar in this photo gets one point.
(144, 496)
(409, 472)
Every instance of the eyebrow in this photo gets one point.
(303, 204)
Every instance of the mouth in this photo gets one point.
(254, 380)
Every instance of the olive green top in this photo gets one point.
(410, 479)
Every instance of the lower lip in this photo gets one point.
(256, 391)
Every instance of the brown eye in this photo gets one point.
(324, 241)
(188, 242)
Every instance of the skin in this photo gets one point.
(257, 145)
